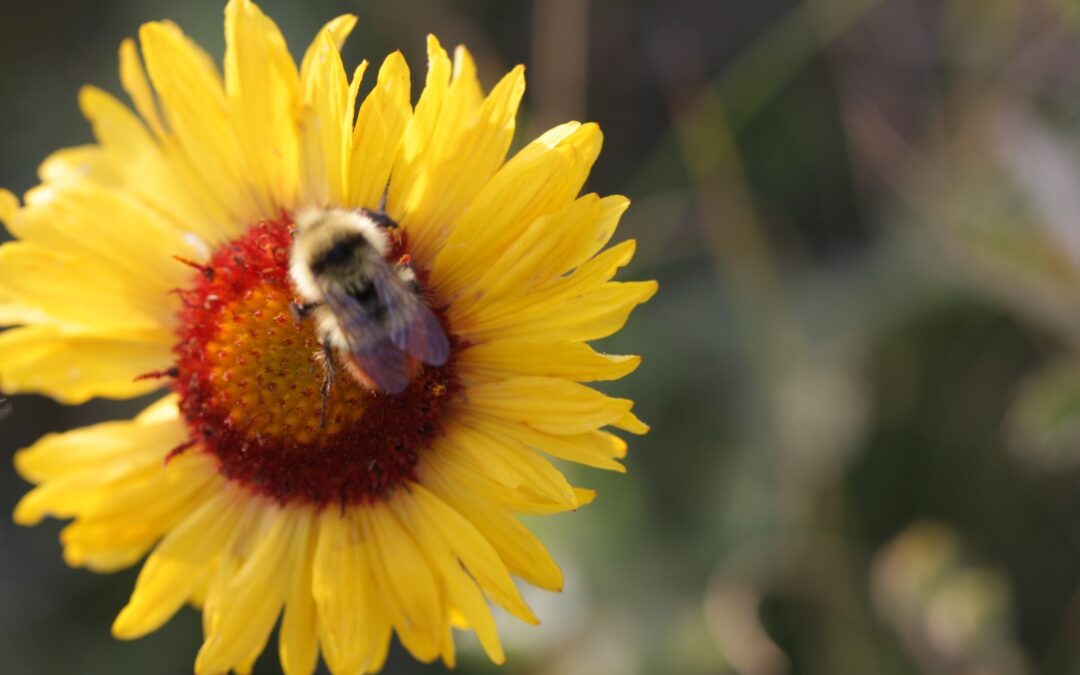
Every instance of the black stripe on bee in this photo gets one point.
(368, 297)
(341, 253)
(380, 218)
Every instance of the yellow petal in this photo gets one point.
(40, 277)
(115, 127)
(464, 95)
(598, 449)
(352, 625)
(406, 180)
(80, 165)
(262, 86)
(551, 246)
(74, 367)
(338, 30)
(100, 444)
(519, 498)
(539, 180)
(475, 552)
(131, 240)
(377, 135)
(462, 590)
(193, 99)
(117, 528)
(325, 126)
(585, 496)
(130, 161)
(493, 301)
(164, 175)
(525, 556)
(405, 582)
(630, 422)
(133, 79)
(463, 163)
(546, 404)
(446, 646)
(591, 315)
(80, 469)
(507, 306)
(9, 204)
(578, 243)
(575, 361)
(13, 313)
(474, 442)
(242, 616)
(298, 646)
(179, 563)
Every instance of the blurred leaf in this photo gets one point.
(1043, 427)
(733, 614)
(952, 616)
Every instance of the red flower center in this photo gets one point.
(249, 381)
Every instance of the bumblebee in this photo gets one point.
(368, 309)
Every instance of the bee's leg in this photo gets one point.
(329, 376)
(299, 312)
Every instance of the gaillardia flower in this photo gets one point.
(159, 256)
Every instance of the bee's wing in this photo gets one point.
(383, 326)
(410, 325)
(369, 346)
(384, 364)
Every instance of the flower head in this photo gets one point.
(260, 486)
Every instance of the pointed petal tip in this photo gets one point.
(435, 50)
(359, 71)
(631, 424)
(341, 26)
(24, 465)
(152, 30)
(585, 496)
(124, 627)
(9, 204)
(641, 291)
(26, 515)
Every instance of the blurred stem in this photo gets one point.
(762, 70)
(758, 74)
(733, 234)
(705, 134)
(773, 337)
(1069, 8)
(559, 61)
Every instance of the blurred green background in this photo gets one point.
(862, 369)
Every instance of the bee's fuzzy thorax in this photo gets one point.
(317, 231)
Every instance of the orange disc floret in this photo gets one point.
(249, 376)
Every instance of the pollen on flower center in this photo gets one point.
(249, 378)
